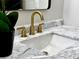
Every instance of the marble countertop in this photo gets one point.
(66, 31)
(71, 52)
(69, 32)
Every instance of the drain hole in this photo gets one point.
(45, 52)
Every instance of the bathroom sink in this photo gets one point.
(38, 41)
(47, 41)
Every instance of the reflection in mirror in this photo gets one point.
(35, 4)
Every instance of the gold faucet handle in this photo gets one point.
(22, 31)
(40, 28)
(32, 30)
(20, 28)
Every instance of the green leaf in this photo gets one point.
(4, 18)
(13, 17)
(4, 27)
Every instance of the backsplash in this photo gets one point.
(53, 23)
(47, 25)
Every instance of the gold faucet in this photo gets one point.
(23, 31)
(40, 27)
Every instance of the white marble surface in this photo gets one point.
(20, 51)
(67, 31)
(71, 52)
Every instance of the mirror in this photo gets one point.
(25, 4)
(35, 4)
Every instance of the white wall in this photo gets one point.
(71, 12)
(55, 12)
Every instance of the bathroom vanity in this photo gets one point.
(54, 40)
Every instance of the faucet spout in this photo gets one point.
(32, 27)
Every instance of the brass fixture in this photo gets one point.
(22, 31)
(40, 27)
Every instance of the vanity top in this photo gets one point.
(66, 31)
(71, 52)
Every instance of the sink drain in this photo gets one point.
(45, 52)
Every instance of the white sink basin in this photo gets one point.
(38, 42)
(47, 41)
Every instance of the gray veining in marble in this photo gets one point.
(71, 52)
(20, 51)
(67, 31)
(53, 23)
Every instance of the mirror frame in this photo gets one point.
(49, 6)
(21, 9)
